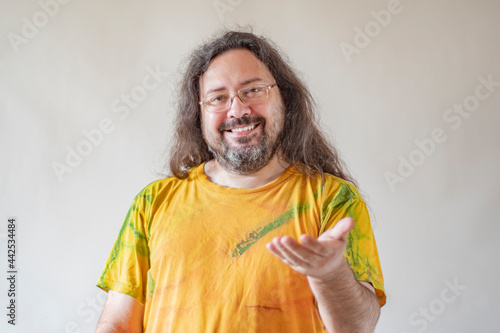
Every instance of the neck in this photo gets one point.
(218, 175)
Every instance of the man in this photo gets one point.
(255, 231)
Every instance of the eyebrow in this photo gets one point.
(243, 83)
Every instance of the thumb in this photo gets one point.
(342, 228)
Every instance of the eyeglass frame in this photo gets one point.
(232, 95)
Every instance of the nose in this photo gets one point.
(237, 109)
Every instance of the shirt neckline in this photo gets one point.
(203, 179)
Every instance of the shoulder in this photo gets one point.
(342, 189)
(329, 186)
(335, 192)
(164, 187)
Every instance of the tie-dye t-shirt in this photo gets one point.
(193, 252)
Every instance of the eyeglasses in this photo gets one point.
(220, 102)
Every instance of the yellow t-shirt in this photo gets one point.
(193, 252)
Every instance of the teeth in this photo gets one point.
(248, 128)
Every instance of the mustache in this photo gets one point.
(245, 120)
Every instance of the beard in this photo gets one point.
(246, 158)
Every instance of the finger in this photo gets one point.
(274, 250)
(342, 228)
(291, 258)
(315, 246)
(292, 251)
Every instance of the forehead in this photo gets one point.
(232, 69)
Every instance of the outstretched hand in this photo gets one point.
(317, 258)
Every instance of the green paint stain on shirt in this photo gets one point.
(151, 285)
(258, 233)
(139, 244)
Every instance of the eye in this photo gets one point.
(218, 99)
(253, 92)
(256, 89)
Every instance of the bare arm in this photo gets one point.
(121, 314)
(345, 304)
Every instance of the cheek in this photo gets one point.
(210, 122)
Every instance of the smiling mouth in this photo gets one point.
(242, 129)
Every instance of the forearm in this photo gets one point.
(344, 304)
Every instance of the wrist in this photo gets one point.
(341, 274)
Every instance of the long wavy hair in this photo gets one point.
(302, 143)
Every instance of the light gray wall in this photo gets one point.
(436, 225)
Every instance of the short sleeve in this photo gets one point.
(361, 250)
(128, 263)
